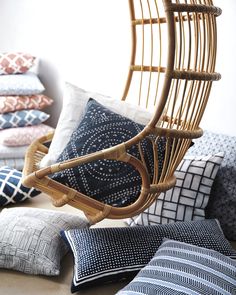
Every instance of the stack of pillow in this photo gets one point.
(21, 102)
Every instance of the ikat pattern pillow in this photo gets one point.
(112, 182)
(22, 118)
(189, 198)
(21, 136)
(11, 188)
(179, 268)
(21, 102)
(110, 254)
(24, 84)
(30, 239)
(15, 62)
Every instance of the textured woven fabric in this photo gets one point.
(11, 188)
(16, 163)
(110, 254)
(21, 136)
(22, 118)
(23, 84)
(10, 152)
(222, 203)
(21, 102)
(189, 198)
(74, 104)
(108, 181)
(179, 268)
(15, 62)
(30, 239)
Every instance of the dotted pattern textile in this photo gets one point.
(178, 268)
(112, 182)
(222, 203)
(22, 119)
(106, 254)
(189, 198)
(23, 84)
(11, 188)
(23, 102)
(15, 62)
(30, 239)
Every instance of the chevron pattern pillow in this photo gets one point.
(180, 268)
(22, 118)
(11, 189)
(190, 196)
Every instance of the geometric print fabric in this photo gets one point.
(178, 268)
(189, 198)
(11, 189)
(30, 239)
(109, 254)
(15, 63)
(22, 118)
(21, 102)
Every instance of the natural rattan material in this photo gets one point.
(172, 67)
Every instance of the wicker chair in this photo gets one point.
(172, 67)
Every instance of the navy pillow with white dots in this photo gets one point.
(110, 254)
(112, 182)
(11, 188)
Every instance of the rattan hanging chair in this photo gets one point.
(172, 68)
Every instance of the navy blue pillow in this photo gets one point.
(11, 189)
(112, 182)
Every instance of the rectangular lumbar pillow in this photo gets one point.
(188, 199)
(30, 239)
(180, 268)
(110, 254)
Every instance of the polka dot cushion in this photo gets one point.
(179, 268)
(112, 182)
(110, 254)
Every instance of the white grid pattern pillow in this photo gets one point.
(190, 196)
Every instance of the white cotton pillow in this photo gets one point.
(74, 102)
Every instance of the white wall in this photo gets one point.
(87, 43)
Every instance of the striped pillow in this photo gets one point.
(180, 268)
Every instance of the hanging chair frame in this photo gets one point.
(178, 123)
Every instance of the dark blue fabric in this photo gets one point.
(108, 181)
(11, 189)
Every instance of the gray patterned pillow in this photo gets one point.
(30, 239)
(222, 203)
(179, 268)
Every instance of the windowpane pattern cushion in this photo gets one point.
(23, 102)
(22, 118)
(24, 84)
(30, 239)
(74, 105)
(11, 188)
(189, 198)
(222, 203)
(21, 136)
(15, 62)
(108, 181)
(179, 268)
(110, 254)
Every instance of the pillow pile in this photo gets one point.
(21, 104)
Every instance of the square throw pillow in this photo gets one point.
(14, 163)
(10, 152)
(110, 254)
(189, 198)
(21, 136)
(22, 118)
(24, 84)
(179, 268)
(11, 189)
(23, 102)
(222, 202)
(111, 182)
(30, 239)
(15, 62)
(74, 104)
